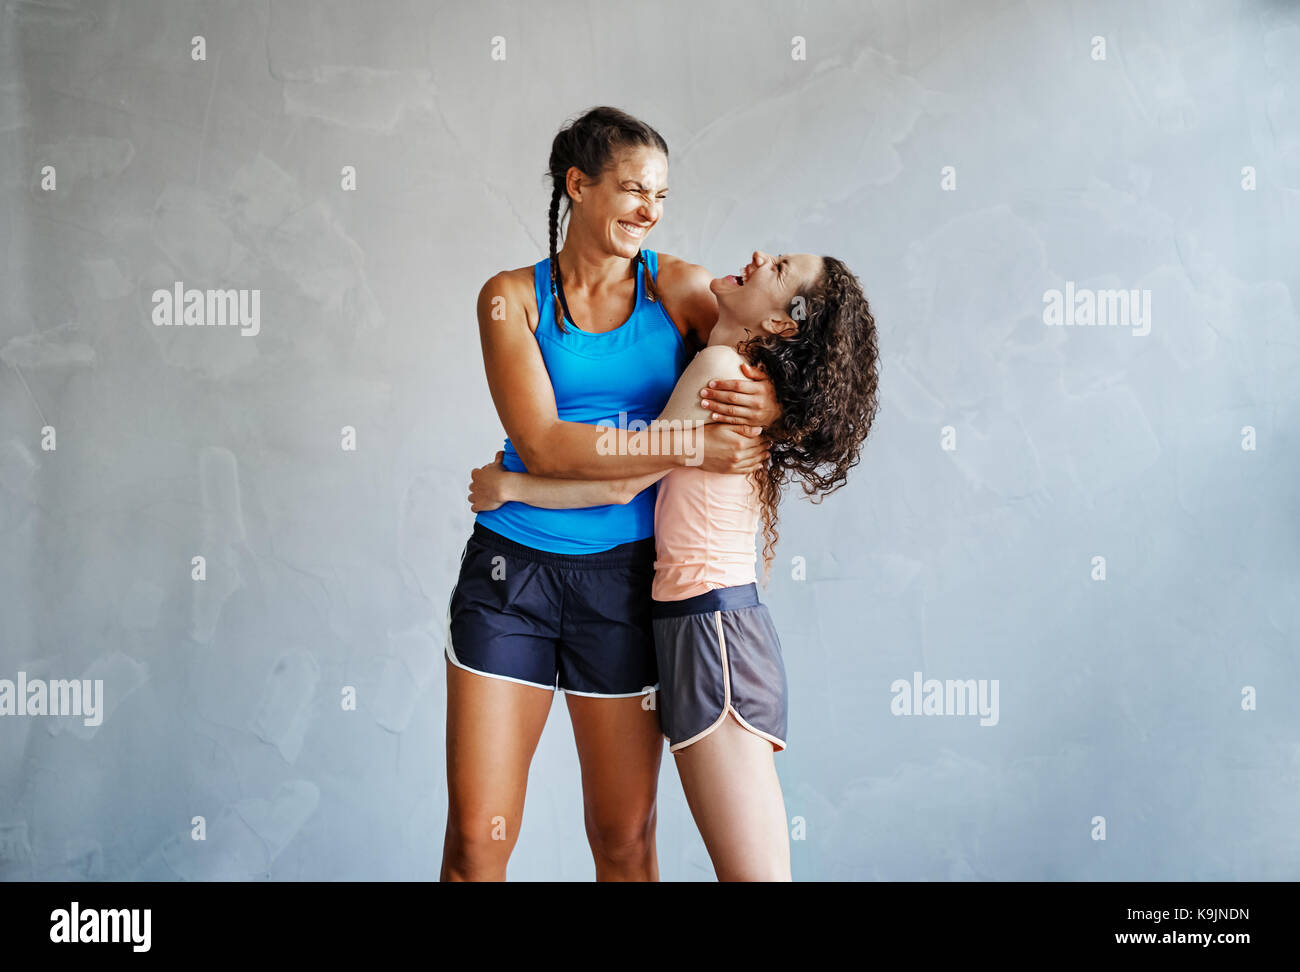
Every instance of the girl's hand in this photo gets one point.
(740, 402)
(487, 485)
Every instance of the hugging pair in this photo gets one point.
(627, 579)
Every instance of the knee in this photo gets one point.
(475, 853)
(623, 842)
(755, 871)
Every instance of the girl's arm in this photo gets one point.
(492, 485)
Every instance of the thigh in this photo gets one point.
(493, 726)
(619, 749)
(731, 786)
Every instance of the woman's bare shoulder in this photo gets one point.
(511, 281)
(515, 288)
(690, 303)
(674, 268)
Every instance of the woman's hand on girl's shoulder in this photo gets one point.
(744, 401)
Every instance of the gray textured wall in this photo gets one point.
(1119, 698)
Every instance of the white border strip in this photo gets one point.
(601, 695)
(451, 655)
(778, 743)
(727, 707)
(726, 687)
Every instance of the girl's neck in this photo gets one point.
(727, 331)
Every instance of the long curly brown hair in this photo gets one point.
(826, 377)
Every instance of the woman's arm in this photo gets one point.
(525, 401)
(492, 485)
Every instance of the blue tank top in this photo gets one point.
(631, 369)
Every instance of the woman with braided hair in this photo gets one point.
(594, 336)
(722, 704)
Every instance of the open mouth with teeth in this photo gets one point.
(632, 229)
(739, 278)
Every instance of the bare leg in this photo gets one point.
(734, 794)
(619, 747)
(492, 731)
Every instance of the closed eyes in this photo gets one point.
(640, 190)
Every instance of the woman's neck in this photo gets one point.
(588, 268)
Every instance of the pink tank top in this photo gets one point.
(704, 533)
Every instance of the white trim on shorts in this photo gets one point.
(451, 657)
(727, 707)
(601, 695)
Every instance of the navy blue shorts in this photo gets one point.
(576, 622)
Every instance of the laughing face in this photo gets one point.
(762, 294)
(624, 204)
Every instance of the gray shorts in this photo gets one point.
(719, 652)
